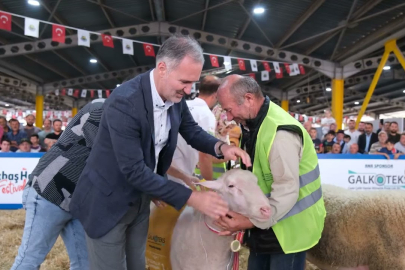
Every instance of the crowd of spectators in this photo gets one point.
(387, 140)
(28, 139)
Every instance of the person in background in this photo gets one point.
(186, 158)
(16, 134)
(29, 127)
(35, 146)
(354, 149)
(367, 139)
(380, 126)
(327, 121)
(336, 149)
(2, 134)
(382, 138)
(387, 126)
(389, 149)
(316, 141)
(346, 146)
(339, 138)
(52, 138)
(24, 146)
(48, 192)
(308, 126)
(393, 134)
(3, 123)
(47, 130)
(354, 134)
(5, 146)
(333, 127)
(328, 143)
(361, 127)
(400, 146)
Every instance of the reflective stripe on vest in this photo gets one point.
(305, 179)
(309, 177)
(305, 203)
(218, 170)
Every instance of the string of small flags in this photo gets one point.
(47, 114)
(31, 28)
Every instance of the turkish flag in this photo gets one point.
(287, 67)
(76, 93)
(214, 60)
(302, 69)
(253, 76)
(63, 92)
(4, 112)
(5, 21)
(107, 41)
(92, 93)
(107, 93)
(58, 33)
(241, 64)
(266, 66)
(149, 51)
(279, 75)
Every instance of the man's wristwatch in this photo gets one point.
(219, 149)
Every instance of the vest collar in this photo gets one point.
(251, 124)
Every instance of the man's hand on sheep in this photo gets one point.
(209, 203)
(232, 153)
(235, 222)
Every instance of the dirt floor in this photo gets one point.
(11, 226)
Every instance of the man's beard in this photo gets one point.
(30, 125)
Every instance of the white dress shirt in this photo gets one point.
(161, 119)
(185, 157)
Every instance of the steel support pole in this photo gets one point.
(389, 47)
(337, 101)
(285, 105)
(39, 108)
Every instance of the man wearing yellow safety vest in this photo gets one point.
(286, 165)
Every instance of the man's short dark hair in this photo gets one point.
(347, 137)
(370, 124)
(340, 131)
(331, 132)
(34, 135)
(390, 140)
(57, 120)
(209, 85)
(13, 120)
(7, 140)
(393, 122)
(314, 129)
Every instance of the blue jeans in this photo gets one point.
(44, 221)
(294, 261)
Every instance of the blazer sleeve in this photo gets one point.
(194, 135)
(125, 135)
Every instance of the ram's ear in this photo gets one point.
(212, 184)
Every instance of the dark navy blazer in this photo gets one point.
(121, 163)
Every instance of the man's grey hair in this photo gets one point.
(243, 86)
(175, 48)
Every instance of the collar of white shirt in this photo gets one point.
(156, 99)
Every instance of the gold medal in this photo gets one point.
(235, 245)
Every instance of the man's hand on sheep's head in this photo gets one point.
(232, 153)
(233, 222)
(209, 203)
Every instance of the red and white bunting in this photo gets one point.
(266, 66)
(253, 76)
(5, 21)
(58, 33)
(83, 38)
(253, 65)
(107, 41)
(214, 60)
(241, 64)
(148, 49)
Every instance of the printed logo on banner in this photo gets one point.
(13, 182)
(376, 180)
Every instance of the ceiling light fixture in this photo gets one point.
(328, 89)
(258, 10)
(357, 103)
(118, 85)
(386, 68)
(33, 2)
(298, 101)
(93, 61)
(7, 105)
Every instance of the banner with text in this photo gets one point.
(363, 174)
(15, 169)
